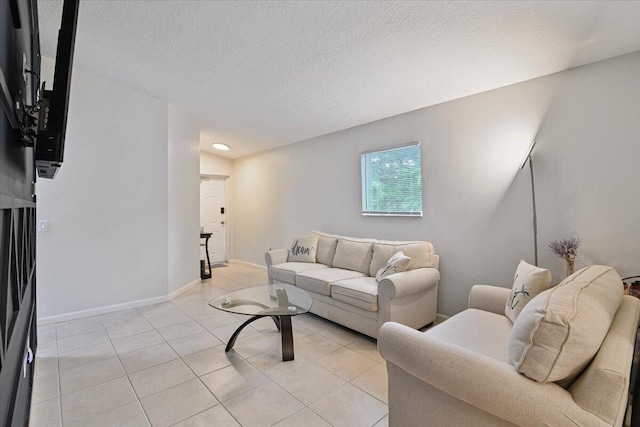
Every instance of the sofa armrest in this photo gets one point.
(480, 381)
(489, 298)
(276, 256)
(408, 283)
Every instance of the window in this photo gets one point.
(392, 181)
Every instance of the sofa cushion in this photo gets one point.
(361, 292)
(561, 329)
(398, 263)
(478, 331)
(286, 272)
(303, 249)
(320, 281)
(528, 282)
(421, 254)
(326, 247)
(354, 254)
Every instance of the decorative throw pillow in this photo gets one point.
(528, 282)
(303, 249)
(558, 333)
(397, 263)
(421, 254)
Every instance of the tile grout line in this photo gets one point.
(59, 380)
(103, 382)
(314, 330)
(365, 391)
(181, 358)
(373, 425)
(138, 400)
(320, 416)
(305, 406)
(266, 376)
(126, 374)
(188, 315)
(200, 379)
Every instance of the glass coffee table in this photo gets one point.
(280, 302)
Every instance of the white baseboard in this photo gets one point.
(250, 264)
(100, 310)
(184, 289)
(115, 307)
(440, 318)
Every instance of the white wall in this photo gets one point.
(477, 204)
(123, 209)
(210, 164)
(183, 200)
(107, 207)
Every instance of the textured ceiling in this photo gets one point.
(258, 75)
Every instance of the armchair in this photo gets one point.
(458, 373)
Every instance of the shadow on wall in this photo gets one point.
(477, 206)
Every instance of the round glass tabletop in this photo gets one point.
(270, 300)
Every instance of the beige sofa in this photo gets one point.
(344, 289)
(458, 373)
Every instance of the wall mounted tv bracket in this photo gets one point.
(20, 114)
(33, 118)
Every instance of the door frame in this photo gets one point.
(227, 199)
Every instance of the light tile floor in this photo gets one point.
(165, 365)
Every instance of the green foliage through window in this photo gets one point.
(392, 181)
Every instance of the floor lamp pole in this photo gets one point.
(535, 218)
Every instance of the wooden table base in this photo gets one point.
(283, 323)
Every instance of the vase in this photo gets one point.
(571, 266)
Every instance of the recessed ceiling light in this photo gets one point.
(219, 146)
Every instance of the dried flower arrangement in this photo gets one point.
(566, 249)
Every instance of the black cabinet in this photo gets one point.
(18, 41)
(17, 313)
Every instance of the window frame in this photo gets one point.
(365, 183)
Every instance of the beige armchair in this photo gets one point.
(458, 373)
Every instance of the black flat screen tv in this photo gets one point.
(52, 120)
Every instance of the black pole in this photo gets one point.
(535, 218)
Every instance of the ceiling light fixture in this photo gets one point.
(219, 146)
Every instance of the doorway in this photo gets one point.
(213, 213)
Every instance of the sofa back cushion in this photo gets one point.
(326, 247)
(559, 332)
(421, 254)
(354, 254)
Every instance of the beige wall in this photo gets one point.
(477, 205)
(183, 200)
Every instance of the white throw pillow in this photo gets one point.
(397, 263)
(421, 254)
(303, 249)
(528, 282)
(561, 330)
